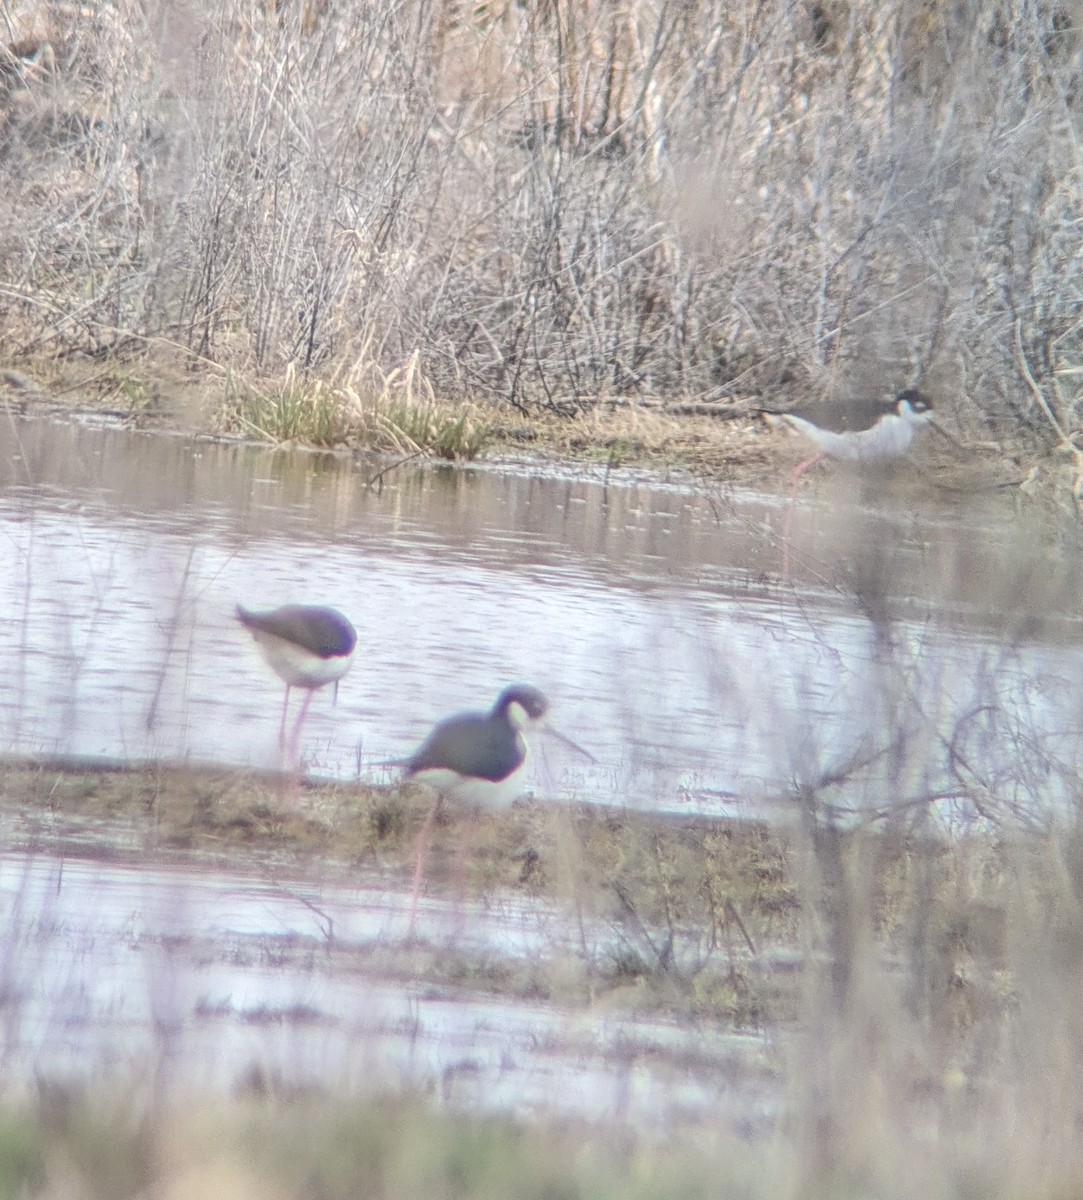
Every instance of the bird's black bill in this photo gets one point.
(945, 434)
(561, 737)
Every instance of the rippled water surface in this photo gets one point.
(651, 614)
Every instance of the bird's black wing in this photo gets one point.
(321, 631)
(471, 745)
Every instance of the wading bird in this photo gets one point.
(472, 760)
(307, 646)
(860, 431)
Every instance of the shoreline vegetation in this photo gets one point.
(742, 450)
(614, 231)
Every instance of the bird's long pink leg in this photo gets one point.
(795, 479)
(295, 739)
(282, 723)
(421, 848)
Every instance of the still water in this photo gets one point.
(921, 651)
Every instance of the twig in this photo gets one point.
(730, 911)
(392, 467)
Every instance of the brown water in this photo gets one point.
(651, 614)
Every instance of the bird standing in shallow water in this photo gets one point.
(473, 759)
(307, 646)
(861, 431)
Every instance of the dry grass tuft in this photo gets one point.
(738, 450)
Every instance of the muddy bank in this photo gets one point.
(711, 444)
(227, 817)
(687, 915)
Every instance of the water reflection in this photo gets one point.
(204, 981)
(650, 614)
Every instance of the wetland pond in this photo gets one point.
(925, 651)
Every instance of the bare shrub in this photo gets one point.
(557, 203)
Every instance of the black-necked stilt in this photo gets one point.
(859, 431)
(473, 759)
(307, 646)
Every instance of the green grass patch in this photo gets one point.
(395, 412)
(298, 1147)
(291, 412)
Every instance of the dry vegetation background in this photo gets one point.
(557, 202)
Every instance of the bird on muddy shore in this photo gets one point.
(858, 431)
(472, 759)
(307, 646)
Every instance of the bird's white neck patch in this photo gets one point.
(909, 413)
(518, 716)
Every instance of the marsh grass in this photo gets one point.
(290, 412)
(399, 410)
(396, 412)
(919, 991)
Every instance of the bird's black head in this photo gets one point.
(521, 704)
